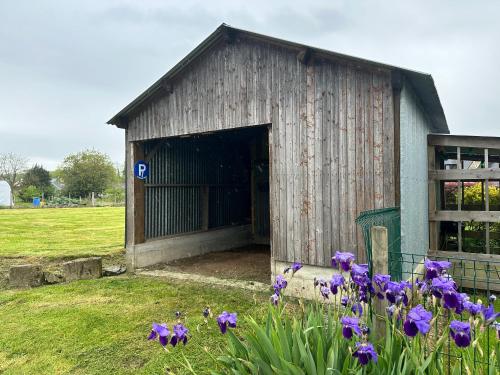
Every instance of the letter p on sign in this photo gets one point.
(141, 170)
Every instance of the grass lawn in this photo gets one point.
(61, 232)
(100, 326)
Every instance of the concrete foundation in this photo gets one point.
(82, 269)
(187, 245)
(25, 276)
(302, 283)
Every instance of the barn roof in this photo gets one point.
(422, 83)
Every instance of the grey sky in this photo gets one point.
(67, 66)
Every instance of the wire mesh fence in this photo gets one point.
(391, 219)
(479, 280)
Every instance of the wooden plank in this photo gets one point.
(138, 194)
(494, 258)
(343, 160)
(465, 174)
(360, 156)
(389, 154)
(457, 216)
(351, 159)
(319, 130)
(327, 129)
(463, 141)
(335, 166)
(396, 97)
(378, 143)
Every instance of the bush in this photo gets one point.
(28, 193)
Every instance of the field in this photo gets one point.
(97, 326)
(62, 232)
(101, 326)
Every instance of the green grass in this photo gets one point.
(61, 232)
(100, 326)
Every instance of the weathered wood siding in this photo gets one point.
(331, 140)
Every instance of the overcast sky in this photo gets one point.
(67, 66)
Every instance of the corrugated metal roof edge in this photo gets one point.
(422, 82)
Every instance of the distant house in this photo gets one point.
(5, 194)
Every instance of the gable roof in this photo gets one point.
(422, 83)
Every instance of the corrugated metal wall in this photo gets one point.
(414, 190)
(180, 169)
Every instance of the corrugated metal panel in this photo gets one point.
(414, 208)
(178, 173)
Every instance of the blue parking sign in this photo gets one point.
(141, 170)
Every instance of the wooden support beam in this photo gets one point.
(139, 190)
(396, 97)
(457, 216)
(464, 174)
(433, 201)
(463, 141)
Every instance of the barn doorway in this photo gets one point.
(209, 195)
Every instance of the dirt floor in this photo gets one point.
(252, 263)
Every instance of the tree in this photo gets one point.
(86, 172)
(11, 167)
(39, 178)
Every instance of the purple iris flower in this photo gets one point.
(336, 281)
(160, 330)
(344, 259)
(344, 301)
(226, 319)
(461, 299)
(381, 282)
(280, 284)
(418, 319)
(472, 308)
(350, 325)
(294, 268)
(390, 310)
(180, 335)
(395, 292)
(359, 275)
(325, 291)
(275, 299)
(319, 281)
(434, 268)
(357, 308)
(446, 289)
(365, 352)
(460, 332)
(489, 315)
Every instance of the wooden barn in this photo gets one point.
(253, 139)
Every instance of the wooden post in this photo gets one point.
(433, 207)
(139, 195)
(380, 265)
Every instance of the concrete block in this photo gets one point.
(25, 276)
(82, 269)
(114, 270)
(53, 277)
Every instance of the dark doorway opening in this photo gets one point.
(206, 182)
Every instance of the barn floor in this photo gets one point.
(252, 263)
